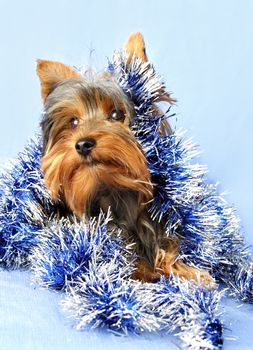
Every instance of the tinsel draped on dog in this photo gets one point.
(108, 199)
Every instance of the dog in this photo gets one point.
(91, 161)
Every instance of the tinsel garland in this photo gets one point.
(91, 264)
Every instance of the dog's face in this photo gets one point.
(90, 156)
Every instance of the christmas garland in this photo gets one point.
(91, 264)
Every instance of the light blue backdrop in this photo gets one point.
(203, 48)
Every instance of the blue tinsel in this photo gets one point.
(90, 263)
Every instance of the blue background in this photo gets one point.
(204, 51)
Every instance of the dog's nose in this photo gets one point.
(84, 146)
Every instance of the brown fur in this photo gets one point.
(135, 46)
(115, 173)
(51, 73)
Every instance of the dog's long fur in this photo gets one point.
(114, 174)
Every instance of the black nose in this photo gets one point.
(84, 146)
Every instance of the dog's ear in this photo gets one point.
(135, 47)
(52, 73)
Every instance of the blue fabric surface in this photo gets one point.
(31, 319)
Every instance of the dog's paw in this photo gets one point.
(168, 265)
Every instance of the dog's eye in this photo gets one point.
(117, 115)
(74, 122)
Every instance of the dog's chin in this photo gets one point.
(98, 184)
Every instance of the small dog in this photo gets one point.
(92, 161)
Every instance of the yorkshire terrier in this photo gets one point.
(92, 161)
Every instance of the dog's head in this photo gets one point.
(90, 155)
